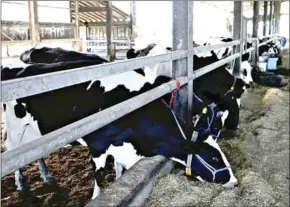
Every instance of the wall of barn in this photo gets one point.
(20, 20)
(58, 14)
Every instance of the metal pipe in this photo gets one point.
(213, 66)
(22, 87)
(43, 146)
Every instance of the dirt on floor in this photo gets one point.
(259, 156)
(73, 181)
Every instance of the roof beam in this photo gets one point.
(91, 24)
(92, 9)
(41, 24)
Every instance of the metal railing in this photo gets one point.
(22, 87)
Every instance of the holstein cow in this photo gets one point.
(217, 86)
(28, 118)
(246, 68)
(272, 49)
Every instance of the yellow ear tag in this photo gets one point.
(188, 171)
(204, 110)
(232, 88)
(244, 87)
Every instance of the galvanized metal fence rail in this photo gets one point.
(14, 89)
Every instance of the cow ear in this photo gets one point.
(219, 114)
(19, 111)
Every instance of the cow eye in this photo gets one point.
(245, 72)
(215, 159)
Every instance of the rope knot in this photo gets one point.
(174, 92)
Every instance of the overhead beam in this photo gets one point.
(182, 40)
(97, 24)
(255, 19)
(237, 31)
(265, 18)
(109, 26)
(92, 9)
(41, 24)
(261, 17)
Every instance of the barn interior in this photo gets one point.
(110, 29)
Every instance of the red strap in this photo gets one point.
(174, 92)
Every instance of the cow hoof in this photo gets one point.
(48, 179)
(24, 191)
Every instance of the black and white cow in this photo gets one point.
(221, 53)
(271, 49)
(218, 86)
(30, 117)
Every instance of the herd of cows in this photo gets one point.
(151, 130)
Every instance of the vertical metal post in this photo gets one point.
(265, 17)
(274, 17)
(182, 40)
(238, 27)
(190, 63)
(277, 16)
(30, 22)
(133, 20)
(109, 15)
(109, 25)
(255, 19)
(70, 11)
(270, 17)
(245, 32)
(255, 53)
(34, 24)
(77, 25)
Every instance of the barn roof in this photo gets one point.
(94, 13)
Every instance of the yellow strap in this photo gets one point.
(188, 171)
(244, 87)
(204, 110)
(232, 88)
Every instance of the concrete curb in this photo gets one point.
(133, 188)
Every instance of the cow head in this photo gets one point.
(210, 121)
(209, 163)
(151, 72)
(21, 126)
(246, 72)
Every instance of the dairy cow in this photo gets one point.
(30, 117)
(218, 86)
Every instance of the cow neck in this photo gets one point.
(232, 87)
(211, 106)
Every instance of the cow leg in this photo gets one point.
(119, 169)
(98, 163)
(232, 121)
(44, 173)
(20, 181)
(96, 190)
